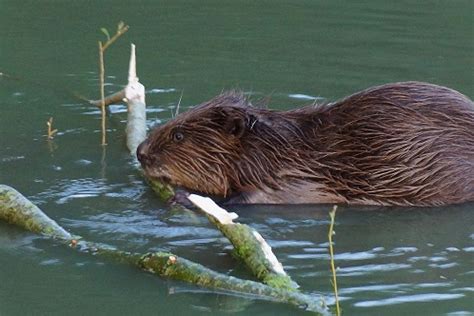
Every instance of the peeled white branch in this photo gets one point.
(249, 245)
(135, 98)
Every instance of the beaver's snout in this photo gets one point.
(143, 155)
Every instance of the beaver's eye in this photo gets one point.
(178, 136)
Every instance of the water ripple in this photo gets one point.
(66, 190)
(142, 230)
(428, 297)
(372, 288)
(301, 96)
(370, 268)
(288, 243)
(191, 242)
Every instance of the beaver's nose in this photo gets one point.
(142, 152)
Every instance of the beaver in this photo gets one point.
(406, 143)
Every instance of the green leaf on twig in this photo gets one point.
(104, 30)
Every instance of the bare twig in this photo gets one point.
(102, 92)
(117, 97)
(121, 29)
(332, 215)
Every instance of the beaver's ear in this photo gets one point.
(234, 122)
(235, 127)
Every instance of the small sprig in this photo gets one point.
(51, 131)
(121, 29)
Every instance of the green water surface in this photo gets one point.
(391, 261)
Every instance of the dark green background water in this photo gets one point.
(392, 262)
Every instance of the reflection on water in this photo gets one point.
(391, 261)
(430, 297)
(65, 190)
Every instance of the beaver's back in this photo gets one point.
(405, 143)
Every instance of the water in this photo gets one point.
(391, 261)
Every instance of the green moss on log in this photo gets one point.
(18, 210)
(164, 191)
(171, 266)
(248, 249)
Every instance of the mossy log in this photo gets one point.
(18, 210)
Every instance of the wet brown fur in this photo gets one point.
(406, 143)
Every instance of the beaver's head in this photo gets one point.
(218, 147)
